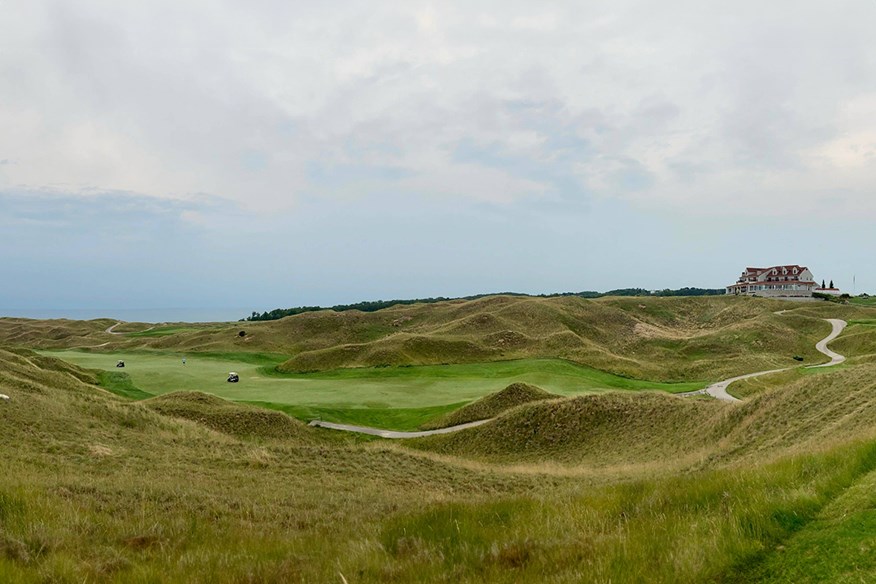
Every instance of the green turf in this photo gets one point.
(404, 419)
(120, 383)
(345, 395)
(870, 301)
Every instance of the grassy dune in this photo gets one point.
(663, 339)
(806, 411)
(492, 405)
(96, 488)
(228, 417)
(622, 486)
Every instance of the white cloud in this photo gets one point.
(742, 108)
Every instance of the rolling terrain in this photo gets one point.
(658, 339)
(615, 485)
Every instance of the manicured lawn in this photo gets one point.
(402, 397)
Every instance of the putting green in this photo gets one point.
(425, 388)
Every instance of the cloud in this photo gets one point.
(743, 108)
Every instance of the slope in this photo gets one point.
(810, 412)
(662, 339)
(491, 405)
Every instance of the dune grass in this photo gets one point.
(619, 485)
(491, 405)
(93, 488)
(842, 532)
(159, 331)
(661, 339)
(716, 526)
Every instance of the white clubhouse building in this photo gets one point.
(792, 281)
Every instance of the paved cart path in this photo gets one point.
(719, 390)
(393, 433)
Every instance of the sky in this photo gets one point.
(278, 153)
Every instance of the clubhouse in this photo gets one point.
(791, 281)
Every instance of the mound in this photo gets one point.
(228, 417)
(60, 333)
(492, 405)
(820, 409)
(604, 429)
(660, 339)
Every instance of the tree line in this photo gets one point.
(375, 305)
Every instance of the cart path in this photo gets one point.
(835, 358)
(719, 390)
(393, 433)
(112, 332)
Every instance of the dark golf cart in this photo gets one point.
(233, 377)
(120, 363)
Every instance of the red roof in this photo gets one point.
(789, 267)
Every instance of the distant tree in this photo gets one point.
(822, 284)
(831, 284)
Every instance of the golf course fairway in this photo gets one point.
(356, 395)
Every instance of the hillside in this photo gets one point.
(611, 487)
(807, 413)
(655, 338)
(230, 418)
(661, 339)
(492, 405)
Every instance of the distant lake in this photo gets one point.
(134, 314)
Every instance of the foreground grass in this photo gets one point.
(714, 526)
(842, 532)
(252, 513)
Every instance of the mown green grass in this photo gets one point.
(407, 396)
(871, 301)
(120, 384)
(404, 419)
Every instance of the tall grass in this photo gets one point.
(714, 526)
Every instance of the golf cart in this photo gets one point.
(120, 363)
(233, 377)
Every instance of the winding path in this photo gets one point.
(719, 390)
(393, 433)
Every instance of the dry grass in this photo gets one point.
(800, 412)
(231, 418)
(615, 487)
(663, 339)
(492, 405)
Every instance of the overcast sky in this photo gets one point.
(265, 154)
